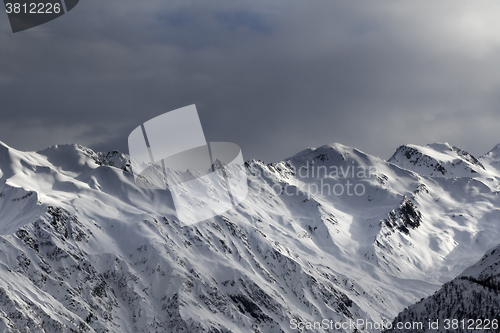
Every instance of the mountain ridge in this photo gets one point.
(97, 253)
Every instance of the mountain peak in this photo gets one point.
(330, 151)
(440, 147)
(493, 153)
(437, 160)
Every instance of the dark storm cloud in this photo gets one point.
(271, 76)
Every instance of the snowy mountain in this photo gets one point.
(492, 159)
(329, 234)
(467, 303)
(438, 160)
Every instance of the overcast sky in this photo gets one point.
(273, 77)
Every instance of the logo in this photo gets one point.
(170, 153)
(25, 15)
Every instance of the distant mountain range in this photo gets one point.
(329, 240)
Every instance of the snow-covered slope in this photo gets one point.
(438, 160)
(491, 160)
(330, 233)
(468, 303)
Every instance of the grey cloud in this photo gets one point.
(273, 77)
